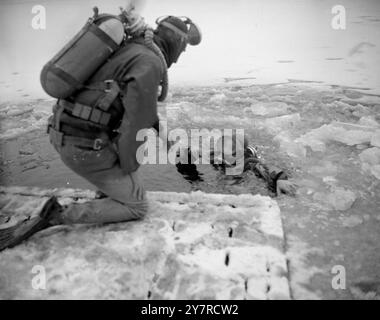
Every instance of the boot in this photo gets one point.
(14, 235)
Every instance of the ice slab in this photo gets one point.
(288, 145)
(370, 159)
(190, 246)
(375, 140)
(347, 133)
(337, 198)
(278, 124)
(270, 109)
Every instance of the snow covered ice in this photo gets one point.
(188, 250)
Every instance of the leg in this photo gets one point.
(126, 196)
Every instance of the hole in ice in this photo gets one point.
(227, 259)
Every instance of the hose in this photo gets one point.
(148, 41)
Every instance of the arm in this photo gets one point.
(162, 133)
(276, 179)
(139, 99)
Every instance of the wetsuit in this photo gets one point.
(102, 147)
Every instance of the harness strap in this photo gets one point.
(85, 112)
(111, 90)
(62, 74)
(57, 116)
(110, 95)
(59, 139)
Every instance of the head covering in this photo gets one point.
(171, 43)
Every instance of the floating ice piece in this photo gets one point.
(375, 140)
(369, 121)
(326, 168)
(371, 161)
(338, 199)
(370, 156)
(354, 137)
(288, 145)
(218, 98)
(375, 170)
(352, 221)
(270, 109)
(277, 124)
(315, 144)
(347, 133)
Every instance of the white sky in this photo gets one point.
(272, 41)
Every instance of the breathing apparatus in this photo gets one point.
(135, 26)
(62, 75)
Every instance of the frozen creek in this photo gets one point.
(326, 137)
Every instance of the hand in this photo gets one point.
(286, 187)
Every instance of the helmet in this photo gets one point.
(185, 31)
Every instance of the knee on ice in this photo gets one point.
(140, 210)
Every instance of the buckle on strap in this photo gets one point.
(111, 92)
(108, 85)
(56, 137)
(98, 143)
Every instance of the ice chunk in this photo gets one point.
(370, 156)
(375, 170)
(325, 169)
(315, 144)
(270, 109)
(375, 140)
(371, 161)
(369, 121)
(277, 124)
(288, 145)
(346, 133)
(218, 98)
(338, 199)
(352, 221)
(354, 137)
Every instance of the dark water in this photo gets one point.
(31, 161)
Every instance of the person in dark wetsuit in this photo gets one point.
(94, 130)
(277, 180)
